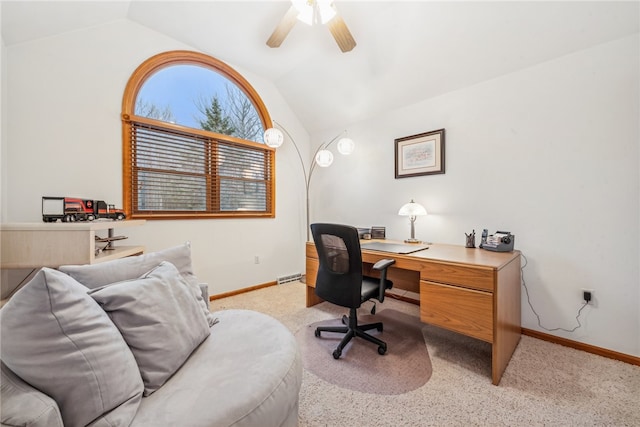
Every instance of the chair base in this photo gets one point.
(351, 330)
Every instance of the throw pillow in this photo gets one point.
(23, 405)
(96, 275)
(158, 318)
(58, 339)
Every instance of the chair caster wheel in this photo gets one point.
(379, 328)
(317, 333)
(337, 354)
(345, 320)
(382, 350)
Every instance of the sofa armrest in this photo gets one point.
(23, 405)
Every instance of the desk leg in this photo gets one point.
(312, 298)
(507, 314)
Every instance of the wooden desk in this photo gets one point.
(470, 291)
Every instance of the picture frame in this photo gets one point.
(421, 154)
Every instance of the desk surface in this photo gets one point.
(453, 254)
(396, 248)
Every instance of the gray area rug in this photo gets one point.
(405, 367)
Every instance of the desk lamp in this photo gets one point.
(412, 210)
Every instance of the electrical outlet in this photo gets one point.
(256, 259)
(588, 297)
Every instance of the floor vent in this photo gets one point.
(289, 278)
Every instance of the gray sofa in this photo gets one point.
(131, 342)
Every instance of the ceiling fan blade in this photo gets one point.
(341, 34)
(283, 28)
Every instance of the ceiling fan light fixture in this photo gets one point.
(305, 10)
(312, 11)
(326, 10)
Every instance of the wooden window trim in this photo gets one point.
(135, 83)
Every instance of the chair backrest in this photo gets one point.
(339, 279)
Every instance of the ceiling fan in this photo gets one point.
(310, 12)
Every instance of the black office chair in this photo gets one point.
(340, 281)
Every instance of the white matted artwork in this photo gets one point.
(421, 154)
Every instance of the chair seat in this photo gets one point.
(370, 288)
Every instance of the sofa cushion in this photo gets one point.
(158, 318)
(97, 275)
(58, 339)
(23, 405)
(248, 373)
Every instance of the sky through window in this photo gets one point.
(181, 88)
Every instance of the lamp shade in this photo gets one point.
(324, 158)
(346, 146)
(273, 137)
(412, 209)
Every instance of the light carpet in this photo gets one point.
(545, 384)
(405, 367)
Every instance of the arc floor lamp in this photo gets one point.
(274, 138)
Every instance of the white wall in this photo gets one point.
(549, 153)
(3, 86)
(3, 160)
(3, 157)
(64, 137)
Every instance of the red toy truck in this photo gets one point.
(70, 209)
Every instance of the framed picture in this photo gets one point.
(421, 154)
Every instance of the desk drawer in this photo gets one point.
(462, 310)
(469, 277)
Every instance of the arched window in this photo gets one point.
(192, 141)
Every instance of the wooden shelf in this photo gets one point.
(32, 245)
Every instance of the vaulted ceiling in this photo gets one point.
(406, 51)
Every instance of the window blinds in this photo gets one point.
(175, 171)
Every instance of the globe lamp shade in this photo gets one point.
(346, 146)
(273, 137)
(324, 158)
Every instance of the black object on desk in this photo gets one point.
(378, 232)
(396, 248)
(501, 241)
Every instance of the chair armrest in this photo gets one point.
(383, 264)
